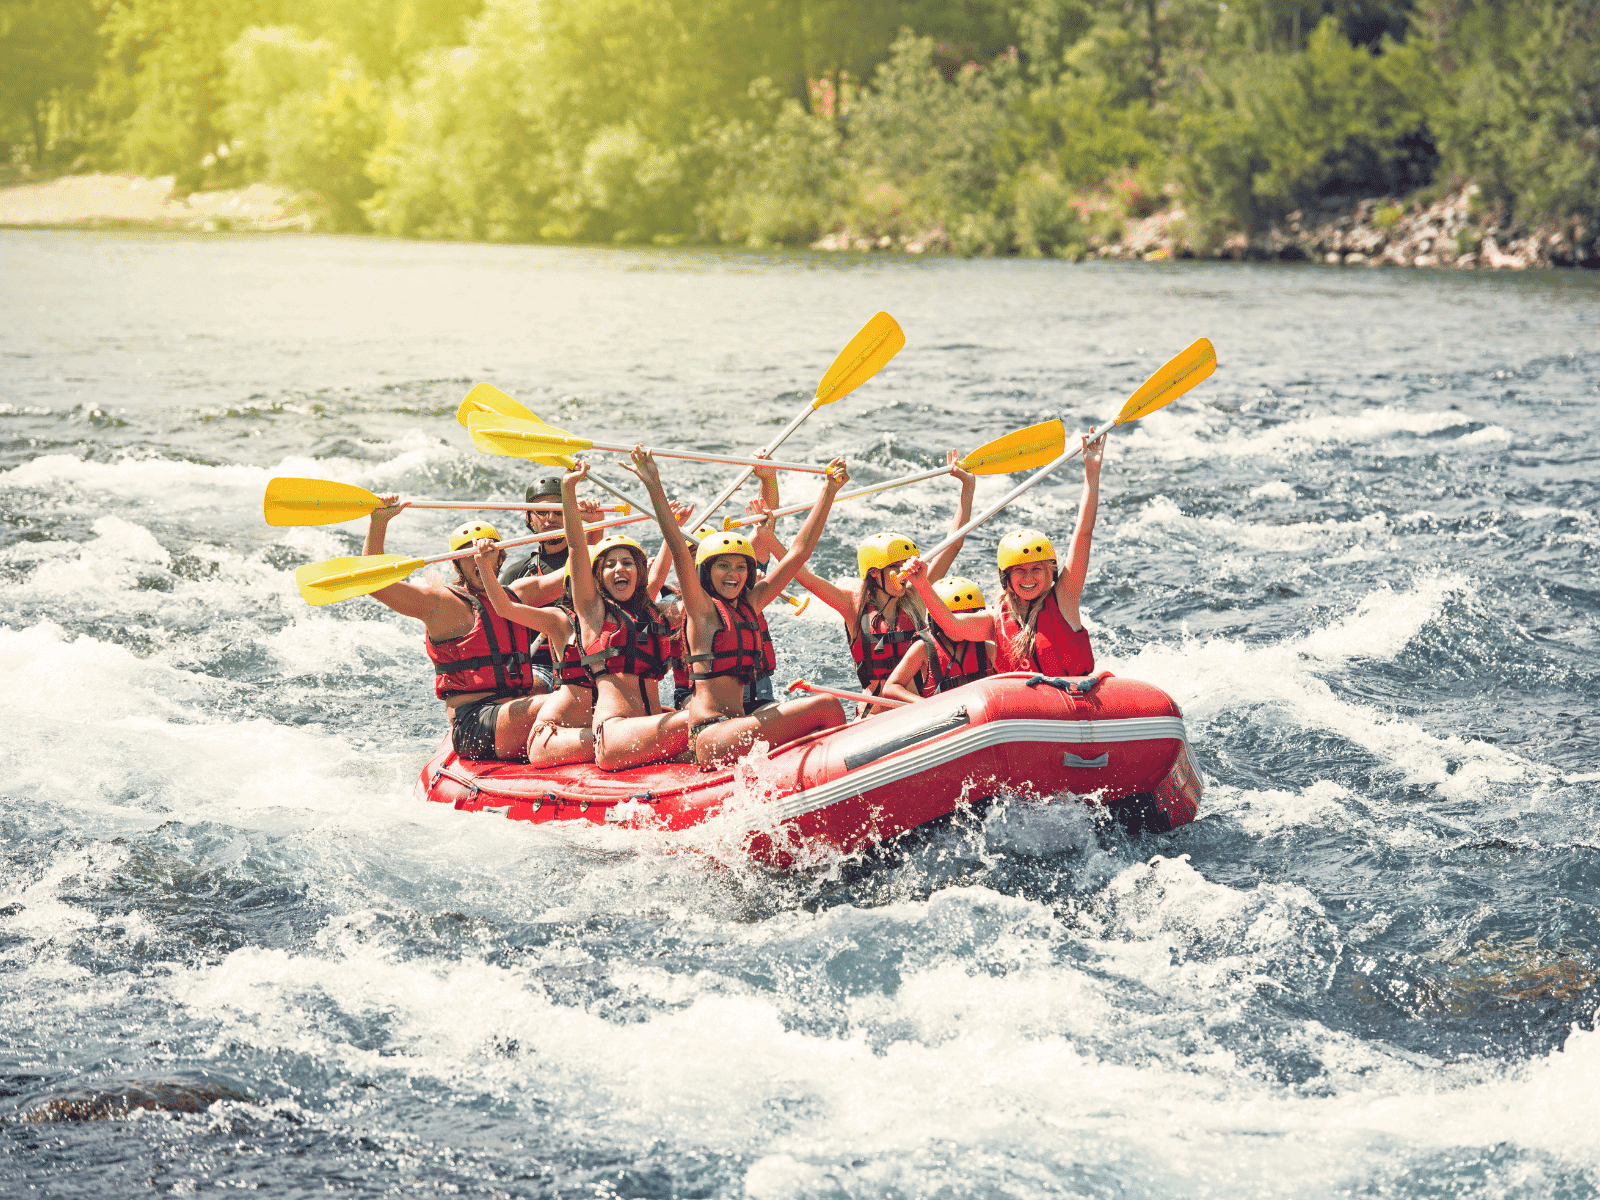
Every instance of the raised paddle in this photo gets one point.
(486, 398)
(496, 434)
(1173, 379)
(291, 501)
(1021, 450)
(359, 575)
(800, 685)
(879, 340)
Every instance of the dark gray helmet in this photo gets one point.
(550, 485)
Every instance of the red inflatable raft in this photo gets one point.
(1106, 741)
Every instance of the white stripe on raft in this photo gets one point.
(916, 759)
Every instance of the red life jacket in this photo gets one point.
(680, 669)
(881, 648)
(629, 645)
(946, 671)
(742, 647)
(572, 672)
(1058, 648)
(492, 656)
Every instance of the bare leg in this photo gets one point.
(623, 742)
(513, 722)
(776, 724)
(551, 745)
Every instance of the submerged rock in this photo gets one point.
(116, 1100)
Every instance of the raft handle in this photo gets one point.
(1081, 686)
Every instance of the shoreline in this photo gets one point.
(133, 202)
(1451, 232)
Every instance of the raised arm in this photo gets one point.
(662, 562)
(584, 597)
(789, 565)
(959, 627)
(835, 597)
(407, 599)
(547, 621)
(1069, 587)
(644, 466)
(591, 513)
(941, 562)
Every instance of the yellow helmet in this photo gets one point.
(706, 531)
(1022, 546)
(883, 549)
(713, 544)
(471, 532)
(611, 542)
(959, 595)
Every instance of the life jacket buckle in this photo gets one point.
(1081, 687)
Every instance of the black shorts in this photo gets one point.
(472, 731)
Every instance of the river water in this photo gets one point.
(1361, 557)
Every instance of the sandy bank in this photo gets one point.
(90, 201)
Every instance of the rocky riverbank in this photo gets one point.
(1455, 231)
(129, 201)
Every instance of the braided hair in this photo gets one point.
(1024, 615)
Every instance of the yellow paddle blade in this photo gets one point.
(880, 340)
(565, 461)
(315, 502)
(496, 434)
(487, 398)
(1023, 450)
(342, 578)
(1180, 373)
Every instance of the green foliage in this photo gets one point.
(1517, 109)
(774, 184)
(305, 116)
(1387, 216)
(468, 152)
(761, 122)
(1281, 132)
(47, 48)
(1047, 221)
(941, 145)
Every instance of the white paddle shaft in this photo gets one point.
(790, 509)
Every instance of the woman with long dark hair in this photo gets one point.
(883, 617)
(625, 641)
(1037, 626)
(726, 634)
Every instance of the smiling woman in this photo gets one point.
(726, 634)
(1037, 626)
(626, 641)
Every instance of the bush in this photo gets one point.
(307, 117)
(1047, 222)
(1286, 131)
(1517, 107)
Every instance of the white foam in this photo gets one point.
(178, 485)
(1280, 684)
(1370, 533)
(989, 1043)
(1489, 435)
(1192, 433)
(1276, 490)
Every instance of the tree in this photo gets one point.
(46, 47)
